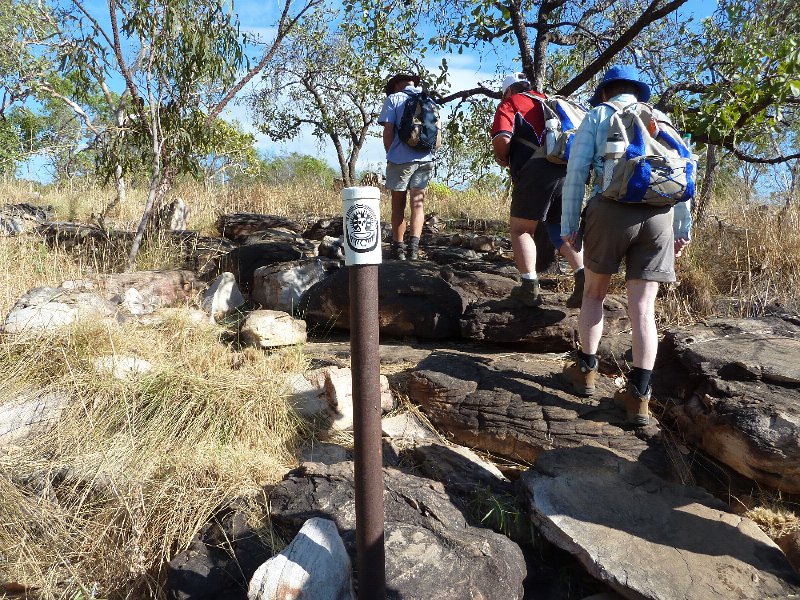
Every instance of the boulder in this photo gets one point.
(339, 394)
(173, 216)
(413, 300)
(281, 286)
(17, 218)
(520, 408)
(551, 328)
(314, 566)
(47, 308)
(650, 539)
(143, 292)
(239, 226)
(733, 389)
(30, 413)
(244, 260)
(432, 551)
(222, 297)
(272, 329)
(220, 560)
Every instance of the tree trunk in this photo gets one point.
(707, 188)
(523, 41)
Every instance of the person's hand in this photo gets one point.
(680, 244)
(570, 238)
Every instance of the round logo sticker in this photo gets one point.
(361, 228)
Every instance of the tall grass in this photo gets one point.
(133, 468)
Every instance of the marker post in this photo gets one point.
(362, 246)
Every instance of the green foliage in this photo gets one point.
(750, 77)
(327, 78)
(297, 168)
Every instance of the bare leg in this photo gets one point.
(398, 215)
(574, 258)
(522, 243)
(641, 310)
(590, 321)
(417, 197)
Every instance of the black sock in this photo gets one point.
(640, 379)
(589, 359)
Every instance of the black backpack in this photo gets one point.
(419, 126)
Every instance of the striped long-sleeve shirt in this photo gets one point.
(587, 154)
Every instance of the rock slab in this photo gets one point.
(733, 388)
(649, 539)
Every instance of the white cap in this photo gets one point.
(510, 80)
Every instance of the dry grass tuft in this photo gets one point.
(134, 468)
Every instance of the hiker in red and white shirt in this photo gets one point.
(517, 130)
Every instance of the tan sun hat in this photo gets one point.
(400, 77)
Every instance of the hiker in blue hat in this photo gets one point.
(646, 236)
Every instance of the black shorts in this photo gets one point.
(536, 194)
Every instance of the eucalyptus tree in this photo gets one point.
(327, 76)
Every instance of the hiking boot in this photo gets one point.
(634, 403)
(527, 293)
(413, 248)
(581, 376)
(398, 251)
(576, 299)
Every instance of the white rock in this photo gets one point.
(339, 393)
(50, 315)
(27, 414)
(272, 329)
(122, 367)
(137, 303)
(315, 566)
(222, 297)
(406, 426)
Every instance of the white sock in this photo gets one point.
(531, 275)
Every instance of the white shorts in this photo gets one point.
(404, 176)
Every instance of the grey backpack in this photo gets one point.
(646, 161)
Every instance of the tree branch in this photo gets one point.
(650, 15)
(284, 28)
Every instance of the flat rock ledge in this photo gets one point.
(733, 389)
(650, 539)
(518, 409)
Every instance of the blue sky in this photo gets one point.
(258, 17)
(465, 72)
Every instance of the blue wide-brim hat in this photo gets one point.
(622, 73)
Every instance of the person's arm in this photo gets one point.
(388, 135)
(501, 144)
(581, 158)
(682, 225)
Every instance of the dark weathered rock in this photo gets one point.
(734, 390)
(219, 562)
(431, 551)
(551, 328)
(413, 300)
(239, 226)
(324, 228)
(649, 539)
(244, 260)
(520, 409)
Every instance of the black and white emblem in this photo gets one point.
(361, 231)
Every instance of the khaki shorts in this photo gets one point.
(641, 234)
(404, 176)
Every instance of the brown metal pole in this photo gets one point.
(365, 364)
